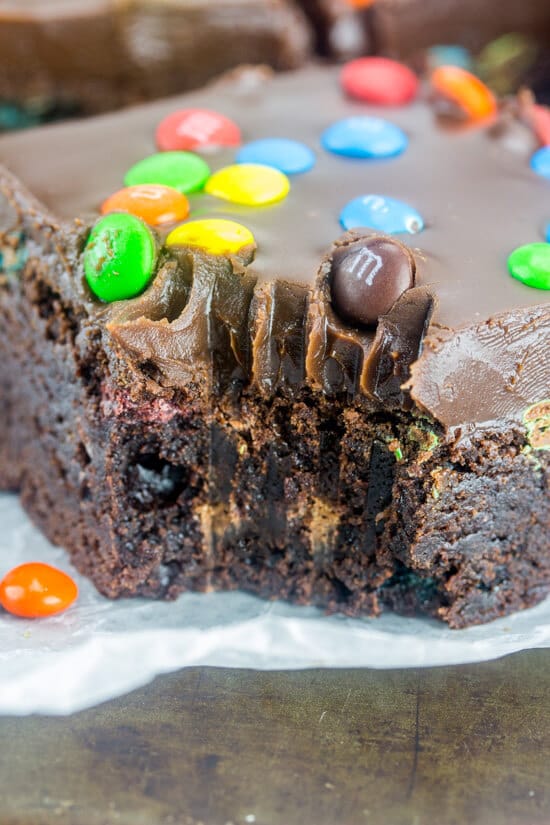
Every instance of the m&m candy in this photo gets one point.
(385, 214)
(368, 276)
(183, 171)
(464, 90)
(530, 264)
(248, 184)
(540, 122)
(364, 137)
(540, 162)
(120, 257)
(288, 156)
(449, 55)
(153, 203)
(37, 590)
(13, 253)
(503, 63)
(379, 80)
(360, 4)
(214, 235)
(196, 129)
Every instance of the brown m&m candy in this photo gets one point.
(368, 276)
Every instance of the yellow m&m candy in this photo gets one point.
(248, 184)
(214, 235)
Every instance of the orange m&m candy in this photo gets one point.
(35, 590)
(152, 202)
(195, 129)
(465, 90)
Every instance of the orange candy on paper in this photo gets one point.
(152, 202)
(36, 590)
(465, 90)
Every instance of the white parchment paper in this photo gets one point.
(101, 649)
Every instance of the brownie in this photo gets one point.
(402, 28)
(259, 422)
(341, 28)
(49, 66)
(93, 55)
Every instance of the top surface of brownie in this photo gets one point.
(478, 197)
(475, 191)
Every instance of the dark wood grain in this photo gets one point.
(447, 746)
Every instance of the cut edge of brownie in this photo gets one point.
(330, 500)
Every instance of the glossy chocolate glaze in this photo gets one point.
(477, 195)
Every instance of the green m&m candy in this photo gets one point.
(530, 264)
(119, 258)
(183, 171)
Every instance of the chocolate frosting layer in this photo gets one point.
(468, 343)
(198, 305)
(397, 346)
(279, 335)
(501, 364)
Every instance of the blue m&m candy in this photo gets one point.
(385, 214)
(364, 137)
(450, 55)
(540, 162)
(288, 156)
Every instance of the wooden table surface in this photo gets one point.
(462, 745)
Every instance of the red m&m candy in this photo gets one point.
(152, 202)
(535, 115)
(192, 129)
(379, 80)
(540, 119)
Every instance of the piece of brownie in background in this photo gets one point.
(341, 28)
(85, 56)
(268, 421)
(60, 58)
(407, 29)
(403, 28)
(506, 43)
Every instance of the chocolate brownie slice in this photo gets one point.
(59, 58)
(94, 55)
(402, 28)
(278, 421)
(341, 28)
